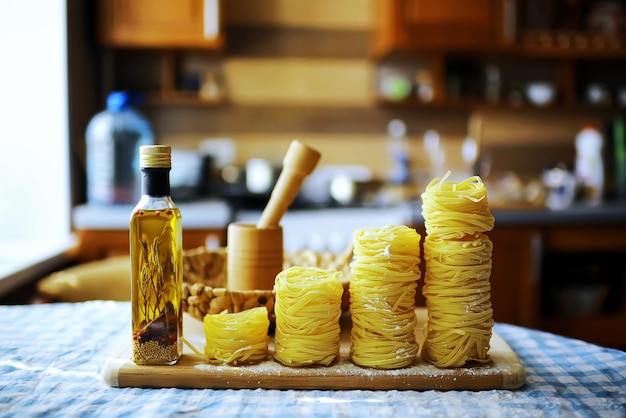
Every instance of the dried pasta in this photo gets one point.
(384, 271)
(453, 210)
(237, 338)
(457, 286)
(307, 308)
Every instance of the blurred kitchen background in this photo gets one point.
(528, 94)
(500, 87)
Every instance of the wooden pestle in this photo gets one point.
(300, 161)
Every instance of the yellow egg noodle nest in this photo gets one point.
(457, 286)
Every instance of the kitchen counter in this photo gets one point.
(218, 214)
(331, 229)
(196, 215)
(613, 212)
(103, 230)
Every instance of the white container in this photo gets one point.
(541, 93)
(589, 165)
(113, 139)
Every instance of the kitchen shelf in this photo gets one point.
(505, 34)
(572, 44)
(479, 104)
(417, 104)
(182, 98)
(167, 77)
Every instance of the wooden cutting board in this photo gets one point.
(505, 371)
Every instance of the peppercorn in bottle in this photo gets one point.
(156, 264)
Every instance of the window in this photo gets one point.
(34, 159)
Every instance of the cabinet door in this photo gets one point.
(515, 274)
(160, 23)
(449, 24)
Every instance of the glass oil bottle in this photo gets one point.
(156, 263)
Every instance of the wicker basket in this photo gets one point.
(204, 285)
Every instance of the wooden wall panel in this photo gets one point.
(331, 82)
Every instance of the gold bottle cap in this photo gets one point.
(155, 156)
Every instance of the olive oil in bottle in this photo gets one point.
(156, 264)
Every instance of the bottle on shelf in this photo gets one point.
(398, 147)
(619, 157)
(113, 140)
(156, 263)
(589, 165)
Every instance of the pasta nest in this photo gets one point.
(454, 209)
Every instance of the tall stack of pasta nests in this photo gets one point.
(385, 270)
(457, 287)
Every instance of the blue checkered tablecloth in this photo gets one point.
(51, 357)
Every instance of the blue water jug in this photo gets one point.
(113, 140)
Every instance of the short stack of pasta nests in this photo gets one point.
(308, 308)
(457, 286)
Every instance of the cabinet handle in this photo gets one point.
(211, 19)
(509, 23)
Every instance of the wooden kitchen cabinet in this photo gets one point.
(535, 267)
(565, 279)
(147, 42)
(583, 289)
(436, 30)
(160, 23)
(448, 24)
(515, 274)
(485, 52)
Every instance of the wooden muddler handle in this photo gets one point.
(300, 160)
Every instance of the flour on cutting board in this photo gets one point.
(504, 371)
